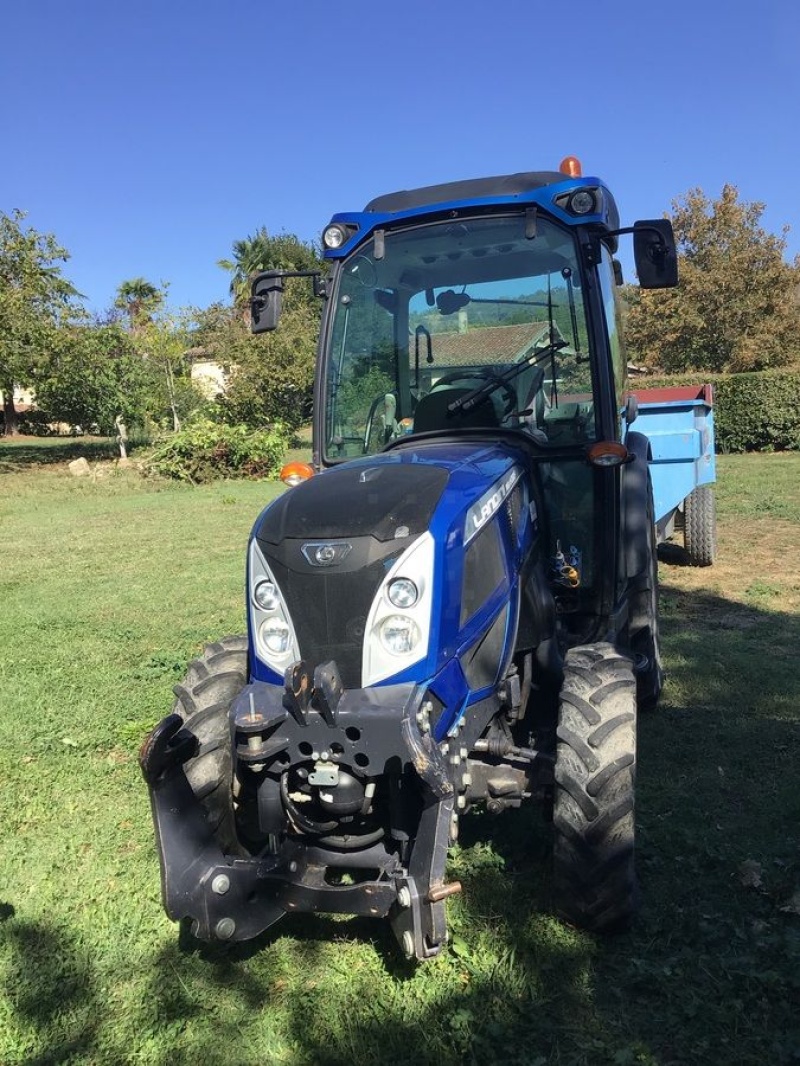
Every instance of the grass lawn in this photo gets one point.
(107, 588)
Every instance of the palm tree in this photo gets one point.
(139, 299)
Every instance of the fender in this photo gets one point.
(633, 506)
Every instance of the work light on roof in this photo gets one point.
(334, 236)
(583, 202)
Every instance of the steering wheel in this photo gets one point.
(487, 377)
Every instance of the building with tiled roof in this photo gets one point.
(487, 344)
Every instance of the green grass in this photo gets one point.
(109, 586)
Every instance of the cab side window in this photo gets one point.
(613, 313)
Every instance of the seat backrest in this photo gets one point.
(431, 412)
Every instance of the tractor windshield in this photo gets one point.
(478, 323)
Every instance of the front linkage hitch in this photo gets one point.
(229, 893)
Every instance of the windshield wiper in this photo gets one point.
(482, 392)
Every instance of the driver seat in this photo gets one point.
(432, 414)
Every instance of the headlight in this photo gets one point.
(270, 623)
(399, 635)
(276, 636)
(398, 626)
(265, 596)
(403, 593)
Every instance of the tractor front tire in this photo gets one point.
(203, 700)
(594, 877)
(700, 526)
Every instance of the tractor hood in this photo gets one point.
(391, 496)
(331, 545)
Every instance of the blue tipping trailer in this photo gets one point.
(679, 423)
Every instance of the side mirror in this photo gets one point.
(265, 301)
(654, 253)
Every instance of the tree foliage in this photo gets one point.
(140, 299)
(262, 252)
(736, 307)
(93, 374)
(270, 377)
(163, 342)
(34, 299)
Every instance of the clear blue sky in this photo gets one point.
(148, 137)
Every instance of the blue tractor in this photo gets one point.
(456, 603)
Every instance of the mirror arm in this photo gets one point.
(659, 246)
(257, 300)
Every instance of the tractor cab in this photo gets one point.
(480, 305)
(458, 325)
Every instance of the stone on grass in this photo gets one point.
(80, 467)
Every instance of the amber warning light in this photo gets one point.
(293, 473)
(571, 166)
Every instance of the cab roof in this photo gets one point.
(508, 185)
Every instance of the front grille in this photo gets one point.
(329, 608)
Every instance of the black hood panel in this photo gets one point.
(357, 500)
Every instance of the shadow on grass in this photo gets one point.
(708, 974)
(49, 986)
(25, 452)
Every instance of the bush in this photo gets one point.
(205, 451)
(752, 412)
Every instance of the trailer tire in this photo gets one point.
(700, 526)
(645, 640)
(203, 700)
(594, 876)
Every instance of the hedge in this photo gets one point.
(752, 412)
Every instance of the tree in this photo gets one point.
(93, 375)
(34, 299)
(262, 252)
(163, 343)
(161, 338)
(140, 300)
(735, 307)
(270, 377)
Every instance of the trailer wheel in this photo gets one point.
(594, 878)
(203, 700)
(643, 624)
(700, 526)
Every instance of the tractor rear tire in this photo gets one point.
(700, 526)
(203, 701)
(594, 876)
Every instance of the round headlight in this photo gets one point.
(403, 592)
(334, 237)
(582, 202)
(265, 596)
(275, 635)
(399, 635)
